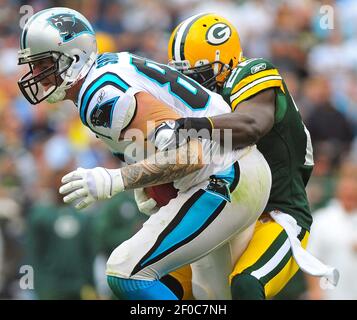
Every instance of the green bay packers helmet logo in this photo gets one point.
(69, 26)
(218, 33)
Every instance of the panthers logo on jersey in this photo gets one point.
(69, 26)
(102, 114)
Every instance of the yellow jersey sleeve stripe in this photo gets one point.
(250, 79)
(251, 85)
(255, 89)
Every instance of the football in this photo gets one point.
(162, 194)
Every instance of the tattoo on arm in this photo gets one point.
(163, 167)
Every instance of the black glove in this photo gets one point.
(196, 124)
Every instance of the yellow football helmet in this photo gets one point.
(205, 47)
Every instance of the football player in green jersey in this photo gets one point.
(207, 48)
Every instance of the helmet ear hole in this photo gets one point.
(76, 58)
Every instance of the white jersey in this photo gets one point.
(108, 91)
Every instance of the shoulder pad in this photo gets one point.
(249, 78)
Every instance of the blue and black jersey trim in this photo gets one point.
(108, 78)
(235, 181)
(152, 256)
(193, 218)
(231, 175)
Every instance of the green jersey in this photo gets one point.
(287, 147)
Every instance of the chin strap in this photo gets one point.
(60, 93)
(216, 66)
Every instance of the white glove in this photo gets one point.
(145, 204)
(89, 185)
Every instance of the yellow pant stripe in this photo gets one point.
(263, 237)
(184, 276)
(277, 283)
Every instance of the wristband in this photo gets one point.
(198, 124)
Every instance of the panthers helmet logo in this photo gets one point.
(69, 26)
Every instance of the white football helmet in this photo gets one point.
(66, 38)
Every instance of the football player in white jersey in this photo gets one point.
(116, 93)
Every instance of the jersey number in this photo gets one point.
(309, 158)
(184, 88)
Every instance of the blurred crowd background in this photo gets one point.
(38, 144)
